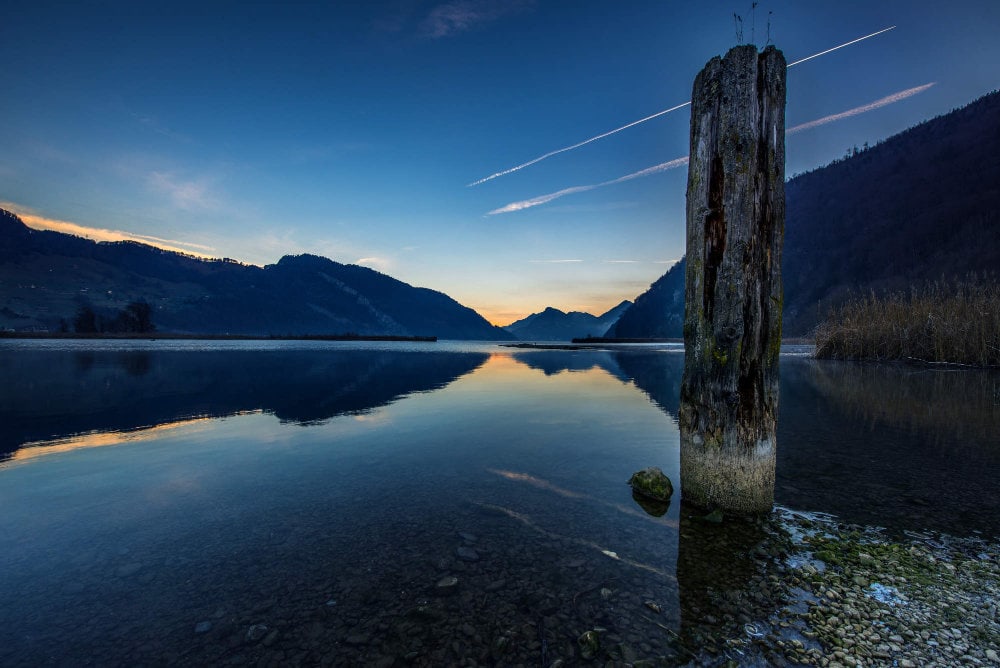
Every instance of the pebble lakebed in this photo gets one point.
(826, 594)
(817, 592)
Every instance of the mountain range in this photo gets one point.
(46, 277)
(555, 325)
(919, 206)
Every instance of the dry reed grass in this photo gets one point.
(943, 322)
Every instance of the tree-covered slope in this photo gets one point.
(45, 277)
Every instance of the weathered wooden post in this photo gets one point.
(733, 299)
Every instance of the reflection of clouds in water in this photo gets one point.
(611, 554)
(540, 483)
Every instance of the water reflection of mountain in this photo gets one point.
(656, 373)
(891, 445)
(884, 445)
(552, 362)
(53, 394)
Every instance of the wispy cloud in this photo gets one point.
(871, 106)
(463, 15)
(189, 195)
(652, 116)
(555, 261)
(380, 263)
(595, 207)
(35, 221)
(544, 199)
(153, 124)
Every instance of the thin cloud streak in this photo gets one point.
(159, 240)
(544, 199)
(583, 143)
(655, 169)
(651, 117)
(871, 106)
(37, 222)
(463, 15)
(853, 41)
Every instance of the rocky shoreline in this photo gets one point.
(848, 595)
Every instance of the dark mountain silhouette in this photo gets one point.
(555, 325)
(919, 206)
(657, 313)
(46, 277)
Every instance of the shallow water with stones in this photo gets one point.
(422, 504)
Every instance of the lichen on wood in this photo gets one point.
(733, 294)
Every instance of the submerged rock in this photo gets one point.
(446, 585)
(714, 517)
(652, 483)
(589, 644)
(467, 554)
(651, 506)
(256, 632)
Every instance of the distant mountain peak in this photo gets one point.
(551, 324)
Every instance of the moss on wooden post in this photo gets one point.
(732, 311)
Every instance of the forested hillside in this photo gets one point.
(47, 279)
(919, 206)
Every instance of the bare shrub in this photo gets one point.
(944, 322)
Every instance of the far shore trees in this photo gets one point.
(135, 318)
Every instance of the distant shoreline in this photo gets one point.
(216, 337)
(794, 340)
(601, 339)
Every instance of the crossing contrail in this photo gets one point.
(651, 117)
(545, 199)
(871, 106)
(853, 41)
(677, 162)
(583, 143)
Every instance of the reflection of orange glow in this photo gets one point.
(101, 439)
(509, 363)
(501, 362)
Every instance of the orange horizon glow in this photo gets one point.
(37, 222)
(498, 315)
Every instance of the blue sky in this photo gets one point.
(351, 129)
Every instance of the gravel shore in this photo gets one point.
(855, 596)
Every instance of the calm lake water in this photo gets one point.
(429, 504)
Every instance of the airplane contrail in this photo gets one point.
(677, 162)
(651, 117)
(544, 199)
(871, 106)
(853, 41)
(583, 143)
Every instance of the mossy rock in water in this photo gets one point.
(652, 483)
